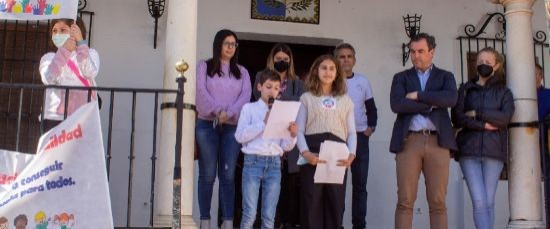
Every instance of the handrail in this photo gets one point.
(118, 89)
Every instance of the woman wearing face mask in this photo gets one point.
(73, 64)
(484, 109)
(281, 60)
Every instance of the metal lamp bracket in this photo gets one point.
(156, 9)
(412, 28)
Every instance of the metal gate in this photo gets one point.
(475, 39)
(22, 44)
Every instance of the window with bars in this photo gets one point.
(22, 44)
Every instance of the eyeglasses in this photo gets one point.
(232, 45)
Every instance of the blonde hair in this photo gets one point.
(39, 216)
(499, 73)
(280, 47)
(313, 84)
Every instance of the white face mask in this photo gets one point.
(59, 39)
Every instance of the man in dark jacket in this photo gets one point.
(422, 133)
(543, 100)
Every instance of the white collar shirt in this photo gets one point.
(250, 130)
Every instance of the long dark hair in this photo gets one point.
(280, 47)
(213, 65)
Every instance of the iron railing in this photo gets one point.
(112, 98)
(473, 40)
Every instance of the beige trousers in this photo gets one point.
(421, 153)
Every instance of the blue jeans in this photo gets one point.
(359, 175)
(218, 150)
(482, 176)
(264, 171)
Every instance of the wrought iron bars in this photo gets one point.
(181, 67)
(472, 41)
(412, 28)
(156, 9)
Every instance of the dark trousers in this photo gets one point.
(359, 175)
(288, 209)
(545, 159)
(322, 205)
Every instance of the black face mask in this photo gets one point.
(281, 66)
(484, 70)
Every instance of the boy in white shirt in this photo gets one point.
(262, 160)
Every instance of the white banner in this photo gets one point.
(64, 185)
(38, 9)
(11, 165)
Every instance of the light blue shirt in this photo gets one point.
(419, 122)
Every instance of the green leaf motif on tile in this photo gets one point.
(301, 5)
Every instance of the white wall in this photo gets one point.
(376, 30)
(123, 33)
(123, 36)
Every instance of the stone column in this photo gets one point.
(524, 171)
(181, 43)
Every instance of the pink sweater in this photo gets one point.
(225, 93)
(55, 71)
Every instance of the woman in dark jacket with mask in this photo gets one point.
(484, 109)
(281, 60)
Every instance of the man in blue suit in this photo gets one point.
(422, 133)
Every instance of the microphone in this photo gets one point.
(270, 102)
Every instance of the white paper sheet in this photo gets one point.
(330, 172)
(282, 113)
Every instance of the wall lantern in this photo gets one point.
(156, 9)
(412, 28)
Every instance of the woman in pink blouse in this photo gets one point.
(223, 87)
